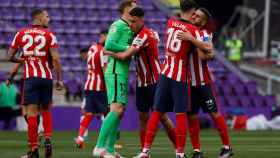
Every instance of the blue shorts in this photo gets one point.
(37, 91)
(202, 97)
(171, 96)
(145, 98)
(96, 102)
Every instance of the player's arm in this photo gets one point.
(13, 50)
(57, 66)
(13, 73)
(113, 36)
(123, 55)
(187, 36)
(12, 56)
(139, 42)
(205, 56)
(56, 61)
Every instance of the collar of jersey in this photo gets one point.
(125, 21)
(184, 20)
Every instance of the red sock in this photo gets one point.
(152, 127)
(142, 134)
(47, 123)
(172, 136)
(222, 128)
(181, 132)
(33, 132)
(194, 129)
(85, 123)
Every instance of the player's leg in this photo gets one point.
(221, 125)
(117, 93)
(143, 119)
(180, 108)
(46, 89)
(88, 110)
(210, 107)
(162, 98)
(144, 104)
(193, 121)
(194, 129)
(169, 128)
(31, 101)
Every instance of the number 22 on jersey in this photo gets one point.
(37, 43)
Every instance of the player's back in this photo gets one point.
(35, 43)
(147, 63)
(199, 71)
(177, 51)
(95, 63)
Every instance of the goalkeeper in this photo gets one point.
(116, 79)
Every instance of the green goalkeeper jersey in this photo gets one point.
(119, 39)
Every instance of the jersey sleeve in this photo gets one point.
(140, 40)
(53, 41)
(103, 59)
(114, 34)
(16, 41)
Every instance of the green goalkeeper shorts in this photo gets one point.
(117, 88)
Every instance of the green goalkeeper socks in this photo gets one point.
(109, 124)
(112, 138)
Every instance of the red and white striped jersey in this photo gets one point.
(176, 60)
(199, 71)
(147, 61)
(35, 43)
(95, 62)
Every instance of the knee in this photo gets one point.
(32, 110)
(119, 109)
(143, 117)
(215, 115)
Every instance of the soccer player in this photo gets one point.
(145, 49)
(37, 44)
(116, 79)
(202, 95)
(172, 91)
(95, 90)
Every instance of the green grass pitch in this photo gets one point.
(261, 144)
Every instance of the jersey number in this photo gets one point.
(173, 43)
(39, 41)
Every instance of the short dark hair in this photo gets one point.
(103, 32)
(205, 11)
(137, 11)
(186, 5)
(124, 4)
(36, 12)
(84, 50)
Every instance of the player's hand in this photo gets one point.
(59, 85)
(185, 36)
(106, 52)
(8, 82)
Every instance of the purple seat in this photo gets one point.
(18, 14)
(251, 88)
(68, 15)
(245, 101)
(257, 100)
(42, 3)
(232, 101)
(239, 88)
(66, 4)
(55, 14)
(16, 3)
(69, 27)
(270, 100)
(53, 4)
(227, 89)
